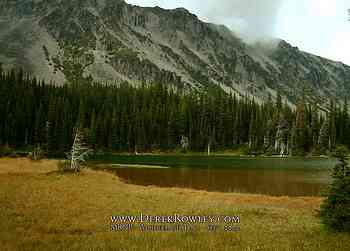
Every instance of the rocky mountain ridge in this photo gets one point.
(112, 41)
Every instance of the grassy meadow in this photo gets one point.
(42, 209)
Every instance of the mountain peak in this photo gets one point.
(183, 10)
(112, 41)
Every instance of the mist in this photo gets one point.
(252, 20)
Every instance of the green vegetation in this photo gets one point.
(335, 211)
(155, 118)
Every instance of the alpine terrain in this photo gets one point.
(110, 41)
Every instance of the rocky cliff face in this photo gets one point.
(112, 41)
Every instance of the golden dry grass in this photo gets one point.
(41, 209)
(24, 165)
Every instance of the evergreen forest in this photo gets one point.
(123, 118)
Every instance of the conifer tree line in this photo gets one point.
(155, 117)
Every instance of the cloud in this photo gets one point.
(324, 8)
(254, 20)
(339, 45)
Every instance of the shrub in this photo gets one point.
(246, 150)
(5, 151)
(36, 154)
(335, 210)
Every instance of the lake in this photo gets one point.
(271, 176)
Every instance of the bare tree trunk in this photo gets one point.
(79, 151)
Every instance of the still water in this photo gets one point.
(272, 176)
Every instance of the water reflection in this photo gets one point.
(298, 182)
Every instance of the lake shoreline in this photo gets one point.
(269, 176)
(42, 209)
(195, 154)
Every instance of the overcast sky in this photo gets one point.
(317, 26)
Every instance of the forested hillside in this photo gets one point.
(154, 117)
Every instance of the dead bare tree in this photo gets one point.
(79, 151)
(185, 143)
(209, 145)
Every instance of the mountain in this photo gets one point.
(112, 41)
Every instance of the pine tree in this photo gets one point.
(345, 126)
(301, 130)
(279, 102)
(269, 136)
(39, 126)
(315, 127)
(253, 137)
(324, 138)
(51, 137)
(332, 126)
(93, 131)
(114, 131)
(282, 137)
(293, 141)
(335, 210)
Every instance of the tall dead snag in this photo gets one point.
(185, 143)
(79, 151)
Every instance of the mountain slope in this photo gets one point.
(112, 41)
